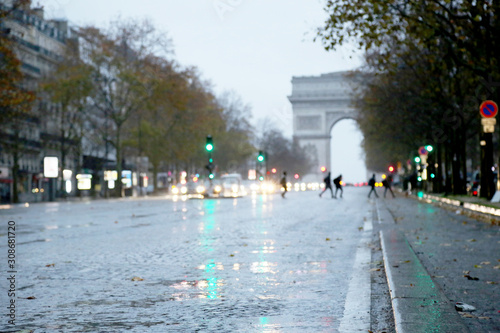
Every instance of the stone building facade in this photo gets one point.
(39, 45)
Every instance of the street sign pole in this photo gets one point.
(487, 180)
(488, 111)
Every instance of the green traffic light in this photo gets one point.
(261, 157)
(417, 159)
(209, 145)
(211, 176)
(429, 148)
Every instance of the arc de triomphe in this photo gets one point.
(318, 102)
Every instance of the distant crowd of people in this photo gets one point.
(386, 183)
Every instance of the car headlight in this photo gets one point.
(217, 189)
(175, 190)
(184, 190)
(200, 189)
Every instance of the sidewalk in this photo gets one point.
(435, 258)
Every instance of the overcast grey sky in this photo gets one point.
(252, 47)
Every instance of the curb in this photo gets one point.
(481, 212)
(418, 304)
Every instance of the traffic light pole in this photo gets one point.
(266, 177)
(260, 164)
(209, 146)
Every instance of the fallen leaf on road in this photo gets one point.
(471, 277)
(374, 269)
(478, 266)
(466, 315)
(116, 221)
(496, 267)
(31, 297)
(491, 282)
(484, 318)
(50, 265)
(485, 263)
(231, 255)
(472, 240)
(136, 278)
(327, 239)
(360, 228)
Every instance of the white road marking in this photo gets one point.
(357, 305)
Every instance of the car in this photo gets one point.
(189, 188)
(231, 185)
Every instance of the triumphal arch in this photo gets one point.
(318, 103)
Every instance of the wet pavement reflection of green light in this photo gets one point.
(205, 229)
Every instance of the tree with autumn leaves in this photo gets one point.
(142, 103)
(14, 99)
(120, 88)
(429, 64)
(68, 87)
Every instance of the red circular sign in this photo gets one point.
(488, 109)
(422, 151)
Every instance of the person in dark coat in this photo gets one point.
(328, 184)
(283, 184)
(388, 185)
(372, 183)
(338, 186)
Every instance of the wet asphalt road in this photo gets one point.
(252, 264)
